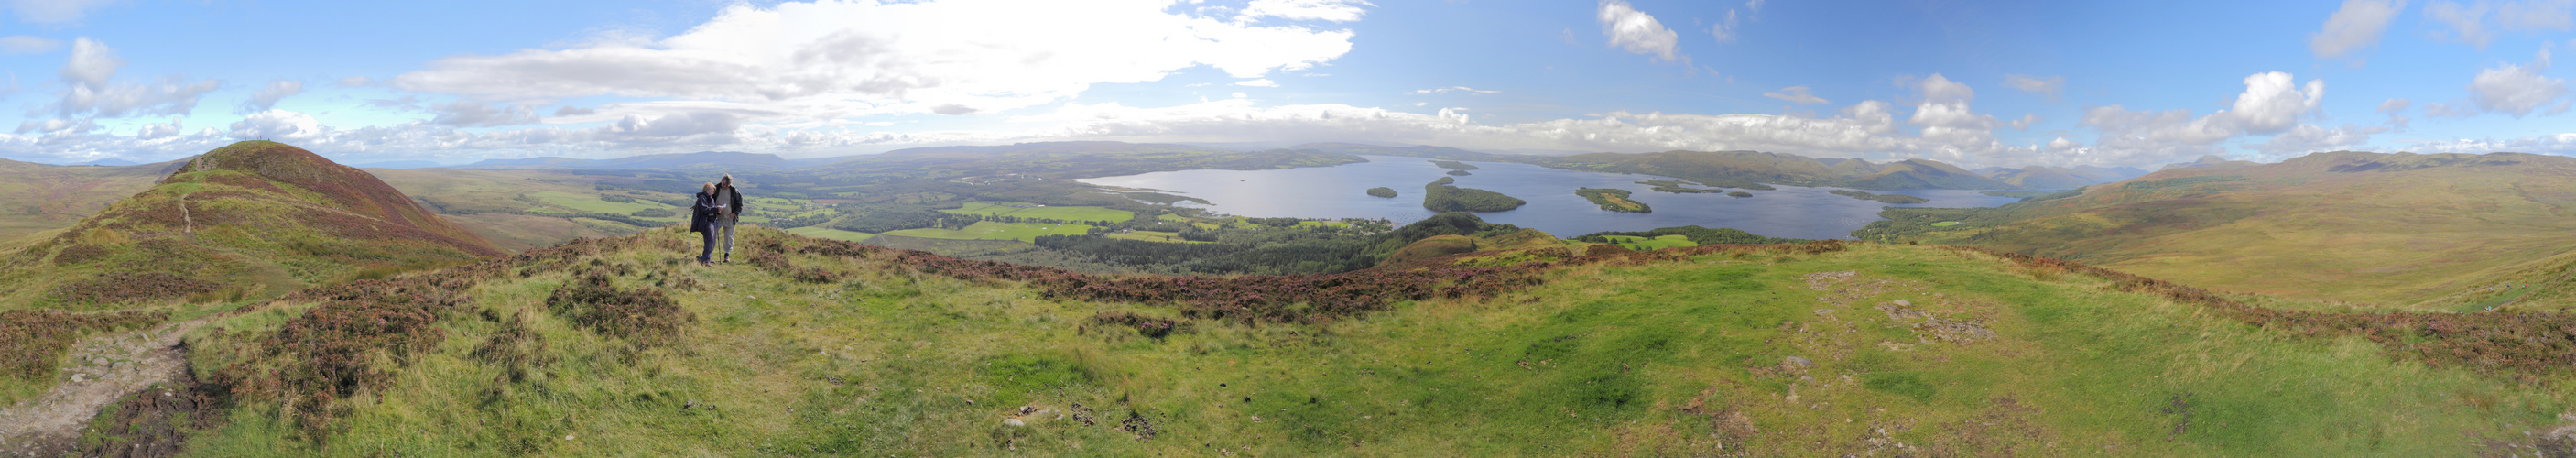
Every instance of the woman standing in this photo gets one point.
(702, 218)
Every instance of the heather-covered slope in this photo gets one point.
(245, 220)
(821, 347)
(2364, 227)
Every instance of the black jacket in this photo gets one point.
(736, 204)
(702, 216)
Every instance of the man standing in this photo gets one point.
(729, 201)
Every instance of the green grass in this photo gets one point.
(1028, 210)
(830, 233)
(1657, 243)
(988, 230)
(1647, 359)
(1945, 224)
(1152, 236)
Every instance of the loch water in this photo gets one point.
(1341, 192)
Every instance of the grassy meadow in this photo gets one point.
(1029, 210)
(1651, 243)
(1762, 353)
(989, 230)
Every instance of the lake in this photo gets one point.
(1340, 192)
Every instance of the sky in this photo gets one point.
(1974, 83)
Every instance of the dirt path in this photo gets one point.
(100, 371)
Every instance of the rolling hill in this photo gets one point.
(247, 220)
(2362, 227)
(821, 347)
(2040, 177)
(38, 197)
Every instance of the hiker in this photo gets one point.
(702, 218)
(729, 209)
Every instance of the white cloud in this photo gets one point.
(834, 59)
(1445, 90)
(1264, 82)
(1311, 10)
(89, 88)
(1939, 89)
(569, 110)
(1635, 31)
(2560, 144)
(2519, 89)
(1797, 95)
(55, 11)
(2536, 16)
(269, 95)
(355, 82)
(1725, 29)
(25, 44)
(2455, 109)
(2026, 120)
(2467, 23)
(276, 125)
(2271, 103)
(2396, 109)
(2354, 27)
(2308, 138)
(468, 113)
(2049, 86)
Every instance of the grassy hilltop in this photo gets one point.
(2348, 226)
(827, 347)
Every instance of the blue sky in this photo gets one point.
(1972, 83)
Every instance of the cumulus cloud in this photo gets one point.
(1797, 95)
(2049, 86)
(2468, 23)
(2519, 89)
(25, 44)
(1635, 31)
(2271, 103)
(2308, 138)
(269, 95)
(276, 125)
(1310, 10)
(157, 131)
(835, 59)
(1264, 82)
(2354, 27)
(55, 11)
(468, 113)
(569, 110)
(90, 89)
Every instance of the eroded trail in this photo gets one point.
(98, 371)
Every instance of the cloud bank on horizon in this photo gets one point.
(1978, 84)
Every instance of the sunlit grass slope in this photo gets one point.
(2391, 229)
(621, 347)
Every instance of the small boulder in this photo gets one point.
(1800, 362)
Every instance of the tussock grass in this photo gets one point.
(1682, 356)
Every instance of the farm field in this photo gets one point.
(1028, 210)
(830, 233)
(988, 230)
(1152, 236)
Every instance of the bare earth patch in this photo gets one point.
(98, 372)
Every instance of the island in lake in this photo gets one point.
(1382, 191)
(1888, 198)
(1440, 196)
(1675, 186)
(1613, 200)
(1456, 168)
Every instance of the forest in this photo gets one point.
(1441, 196)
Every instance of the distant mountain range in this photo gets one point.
(717, 159)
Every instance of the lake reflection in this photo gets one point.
(1340, 192)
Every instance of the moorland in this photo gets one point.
(261, 300)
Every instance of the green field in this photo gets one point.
(988, 230)
(1883, 350)
(1028, 210)
(1657, 243)
(830, 233)
(1152, 236)
(1945, 224)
